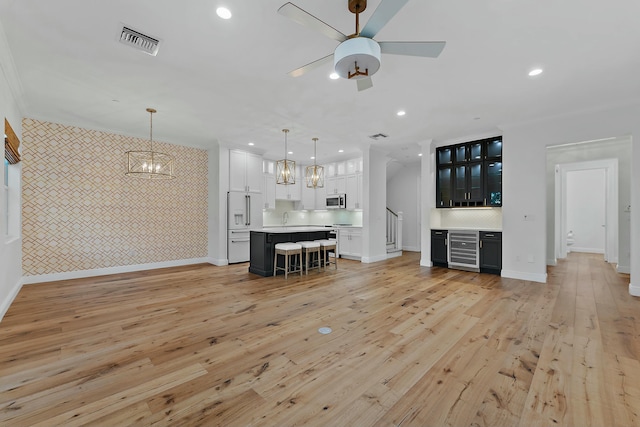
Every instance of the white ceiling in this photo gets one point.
(226, 81)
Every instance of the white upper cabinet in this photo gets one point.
(245, 171)
(269, 191)
(335, 184)
(354, 191)
(313, 198)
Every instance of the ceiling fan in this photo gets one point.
(357, 57)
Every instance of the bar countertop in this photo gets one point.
(292, 229)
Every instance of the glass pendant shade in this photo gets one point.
(314, 175)
(285, 169)
(150, 164)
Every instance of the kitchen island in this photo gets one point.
(263, 242)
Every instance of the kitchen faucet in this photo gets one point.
(285, 218)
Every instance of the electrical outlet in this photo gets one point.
(530, 258)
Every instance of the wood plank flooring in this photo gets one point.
(411, 346)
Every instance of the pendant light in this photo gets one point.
(314, 175)
(285, 169)
(150, 164)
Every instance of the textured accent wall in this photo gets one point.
(80, 212)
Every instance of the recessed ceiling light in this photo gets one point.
(334, 76)
(223, 12)
(535, 72)
(312, 157)
(340, 151)
(401, 113)
(420, 155)
(251, 144)
(290, 152)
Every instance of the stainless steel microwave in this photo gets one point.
(336, 201)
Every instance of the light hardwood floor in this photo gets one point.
(410, 346)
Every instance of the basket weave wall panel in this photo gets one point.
(80, 212)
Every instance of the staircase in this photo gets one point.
(394, 233)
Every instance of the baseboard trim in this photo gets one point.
(220, 262)
(552, 262)
(586, 250)
(369, 260)
(4, 307)
(426, 262)
(624, 269)
(531, 277)
(394, 254)
(411, 248)
(79, 274)
(634, 290)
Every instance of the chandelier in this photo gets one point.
(150, 164)
(314, 175)
(285, 169)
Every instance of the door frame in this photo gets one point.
(611, 205)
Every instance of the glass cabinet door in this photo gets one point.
(475, 151)
(494, 149)
(494, 184)
(460, 184)
(445, 156)
(443, 187)
(475, 183)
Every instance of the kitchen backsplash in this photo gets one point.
(271, 218)
(474, 218)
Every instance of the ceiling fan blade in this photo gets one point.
(310, 66)
(364, 83)
(426, 49)
(383, 14)
(303, 17)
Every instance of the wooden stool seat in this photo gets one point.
(288, 250)
(310, 248)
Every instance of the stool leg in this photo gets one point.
(300, 262)
(305, 254)
(275, 263)
(286, 266)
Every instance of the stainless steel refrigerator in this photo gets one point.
(244, 212)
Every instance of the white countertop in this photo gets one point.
(492, 230)
(292, 229)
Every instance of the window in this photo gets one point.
(6, 197)
(11, 183)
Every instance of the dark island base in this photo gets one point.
(263, 247)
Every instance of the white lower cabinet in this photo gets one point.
(350, 242)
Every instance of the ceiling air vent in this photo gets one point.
(140, 41)
(378, 136)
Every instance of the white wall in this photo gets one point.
(374, 211)
(586, 200)
(524, 186)
(403, 196)
(11, 250)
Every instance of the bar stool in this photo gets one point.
(327, 246)
(288, 250)
(308, 249)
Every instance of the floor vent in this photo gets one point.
(140, 41)
(378, 136)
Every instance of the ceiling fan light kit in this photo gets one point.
(357, 57)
